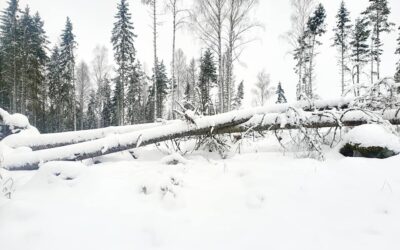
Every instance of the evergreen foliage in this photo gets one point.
(124, 53)
(359, 49)
(281, 94)
(207, 81)
(341, 40)
(378, 14)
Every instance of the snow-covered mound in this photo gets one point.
(17, 122)
(373, 135)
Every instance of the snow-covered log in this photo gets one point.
(347, 118)
(53, 140)
(232, 122)
(47, 141)
(117, 143)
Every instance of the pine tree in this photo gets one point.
(315, 29)
(237, 103)
(378, 14)
(207, 80)
(10, 50)
(341, 40)
(91, 116)
(397, 74)
(67, 63)
(124, 54)
(281, 94)
(359, 49)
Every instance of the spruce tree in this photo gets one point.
(239, 96)
(91, 116)
(281, 94)
(207, 80)
(106, 112)
(315, 29)
(67, 63)
(378, 14)
(55, 87)
(135, 96)
(124, 54)
(397, 74)
(10, 50)
(162, 82)
(359, 49)
(341, 40)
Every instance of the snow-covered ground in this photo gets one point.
(255, 200)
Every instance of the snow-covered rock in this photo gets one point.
(372, 141)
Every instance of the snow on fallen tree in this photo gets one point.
(117, 143)
(47, 141)
(232, 122)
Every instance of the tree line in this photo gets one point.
(358, 44)
(57, 93)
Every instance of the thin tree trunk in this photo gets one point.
(155, 58)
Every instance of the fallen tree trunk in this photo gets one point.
(53, 140)
(233, 122)
(118, 143)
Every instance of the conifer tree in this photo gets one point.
(359, 50)
(281, 94)
(10, 50)
(67, 63)
(207, 80)
(397, 74)
(106, 112)
(91, 116)
(162, 88)
(124, 54)
(341, 40)
(135, 98)
(315, 29)
(378, 14)
(54, 88)
(239, 96)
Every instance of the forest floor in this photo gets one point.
(260, 199)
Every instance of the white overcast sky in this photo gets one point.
(93, 21)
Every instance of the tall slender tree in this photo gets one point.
(154, 14)
(301, 12)
(179, 16)
(359, 50)
(10, 50)
(207, 80)
(239, 25)
(315, 29)
(55, 88)
(378, 14)
(397, 74)
(342, 39)
(208, 17)
(124, 54)
(67, 62)
(83, 91)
